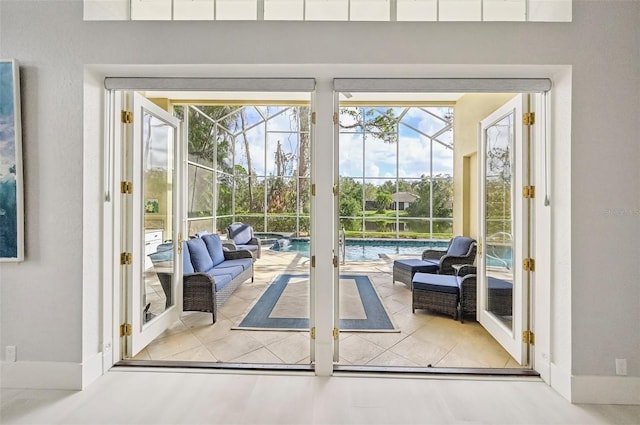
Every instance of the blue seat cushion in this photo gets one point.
(414, 264)
(460, 246)
(245, 263)
(200, 257)
(231, 270)
(436, 283)
(214, 247)
(187, 267)
(222, 280)
(499, 284)
(240, 233)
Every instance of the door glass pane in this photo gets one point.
(157, 180)
(498, 237)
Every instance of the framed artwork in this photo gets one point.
(11, 178)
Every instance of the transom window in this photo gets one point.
(330, 10)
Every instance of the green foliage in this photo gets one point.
(383, 200)
(381, 125)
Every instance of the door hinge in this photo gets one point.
(336, 333)
(335, 261)
(313, 189)
(126, 258)
(529, 264)
(313, 261)
(126, 188)
(335, 189)
(529, 192)
(313, 333)
(528, 337)
(313, 118)
(529, 118)
(125, 329)
(335, 118)
(126, 117)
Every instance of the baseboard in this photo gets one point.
(92, 369)
(41, 375)
(605, 389)
(560, 381)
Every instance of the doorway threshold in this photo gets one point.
(449, 371)
(175, 364)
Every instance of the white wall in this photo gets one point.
(49, 302)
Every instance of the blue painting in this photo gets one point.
(11, 213)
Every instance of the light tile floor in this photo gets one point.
(424, 338)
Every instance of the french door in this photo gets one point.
(151, 222)
(504, 219)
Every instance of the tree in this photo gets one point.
(383, 200)
(382, 125)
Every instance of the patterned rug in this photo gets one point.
(284, 305)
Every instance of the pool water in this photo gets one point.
(365, 249)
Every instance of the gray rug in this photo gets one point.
(284, 305)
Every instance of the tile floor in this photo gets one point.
(424, 338)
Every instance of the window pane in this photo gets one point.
(379, 157)
(282, 154)
(442, 160)
(225, 190)
(200, 192)
(281, 195)
(460, 10)
(417, 10)
(236, 10)
(327, 10)
(550, 10)
(255, 220)
(249, 149)
(197, 10)
(196, 226)
(415, 155)
(414, 228)
(504, 10)
(283, 10)
(249, 195)
(304, 200)
(370, 10)
(154, 10)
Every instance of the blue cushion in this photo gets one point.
(460, 246)
(187, 267)
(222, 280)
(200, 257)
(494, 283)
(240, 233)
(231, 270)
(245, 263)
(436, 282)
(414, 264)
(214, 247)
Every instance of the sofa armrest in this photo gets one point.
(466, 270)
(199, 293)
(234, 255)
(447, 261)
(229, 245)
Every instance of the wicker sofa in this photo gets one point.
(211, 273)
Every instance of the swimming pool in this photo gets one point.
(365, 249)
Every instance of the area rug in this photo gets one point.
(284, 305)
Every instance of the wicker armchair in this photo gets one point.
(461, 250)
(468, 284)
(240, 236)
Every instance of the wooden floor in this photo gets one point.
(161, 397)
(425, 338)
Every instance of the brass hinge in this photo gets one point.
(125, 329)
(313, 261)
(313, 333)
(126, 117)
(126, 188)
(529, 264)
(313, 190)
(336, 333)
(313, 118)
(126, 258)
(335, 118)
(529, 118)
(335, 189)
(528, 337)
(529, 192)
(335, 261)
